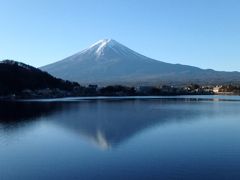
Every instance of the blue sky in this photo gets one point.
(204, 33)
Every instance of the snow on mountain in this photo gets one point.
(109, 62)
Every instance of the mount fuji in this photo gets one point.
(109, 62)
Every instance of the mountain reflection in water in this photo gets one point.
(108, 123)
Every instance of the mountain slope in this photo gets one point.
(16, 76)
(109, 62)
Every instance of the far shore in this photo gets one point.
(215, 97)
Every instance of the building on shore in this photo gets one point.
(216, 89)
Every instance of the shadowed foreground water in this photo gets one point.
(169, 138)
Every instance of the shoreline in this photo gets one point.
(96, 98)
(113, 97)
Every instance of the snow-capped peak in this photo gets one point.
(99, 46)
(106, 49)
(101, 42)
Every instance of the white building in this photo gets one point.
(216, 89)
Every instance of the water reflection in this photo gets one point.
(14, 115)
(176, 138)
(107, 123)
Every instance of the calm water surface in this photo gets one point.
(168, 138)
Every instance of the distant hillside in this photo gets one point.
(109, 62)
(16, 76)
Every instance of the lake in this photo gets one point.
(187, 137)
